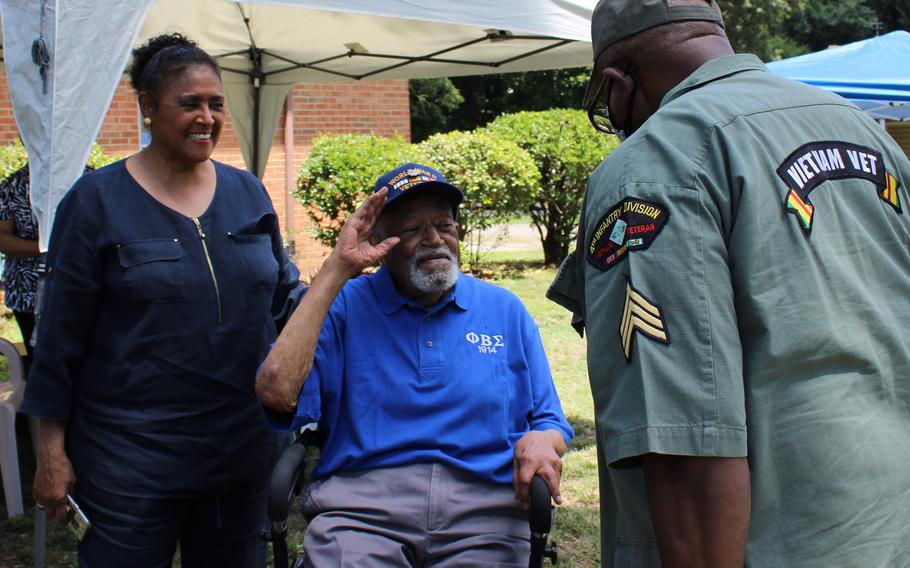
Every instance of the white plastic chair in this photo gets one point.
(10, 399)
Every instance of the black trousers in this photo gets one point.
(213, 531)
(26, 321)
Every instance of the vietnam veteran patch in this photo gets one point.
(817, 162)
(632, 224)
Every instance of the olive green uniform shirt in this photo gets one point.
(744, 278)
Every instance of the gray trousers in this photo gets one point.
(417, 515)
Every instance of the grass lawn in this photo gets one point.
(576, 529)
(577, 520)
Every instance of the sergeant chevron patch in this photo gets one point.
(642, 315)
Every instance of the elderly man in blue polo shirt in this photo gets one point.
(433, 389)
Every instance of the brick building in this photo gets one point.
(378, 107)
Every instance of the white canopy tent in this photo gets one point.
(264, 48)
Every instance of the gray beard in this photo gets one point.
(433, 281)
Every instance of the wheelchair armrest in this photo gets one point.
(540, 514)
(283, 483)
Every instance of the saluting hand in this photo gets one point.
(287, 366)
(355, 248)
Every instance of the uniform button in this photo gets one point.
(429, 344)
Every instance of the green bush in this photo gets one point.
(13, 156)
(98, 158)
(339, 174)
(498, 178)
(566, 149)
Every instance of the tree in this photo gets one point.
(488, 96)
(565, 149)
(774, 29)
(340, 173)
(819, 24)
(432, 102)
(893, 14)
(498, 178)
(755, 26)
(478, 99)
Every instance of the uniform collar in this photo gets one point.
(390, 300)
(714, 70)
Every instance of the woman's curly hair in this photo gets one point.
(161, 57)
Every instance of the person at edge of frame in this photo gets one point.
(19, 245)
(167, 281)
(743, 274)
(432, 387)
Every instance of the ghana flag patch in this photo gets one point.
(817, 162)
(630, 225)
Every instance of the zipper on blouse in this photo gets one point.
(208, 259)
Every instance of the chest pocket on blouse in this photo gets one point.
(258, 267)
(153, 269)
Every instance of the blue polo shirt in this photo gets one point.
(460, 383)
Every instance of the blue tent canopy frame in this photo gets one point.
(873, 73)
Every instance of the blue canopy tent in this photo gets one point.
(873, 73)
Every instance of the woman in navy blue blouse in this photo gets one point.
(167, 281)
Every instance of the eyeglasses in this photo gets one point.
(599, 107)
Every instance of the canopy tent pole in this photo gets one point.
(289, 177)
(256, 78)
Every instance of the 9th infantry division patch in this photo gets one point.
(630, 225)
(644, 316)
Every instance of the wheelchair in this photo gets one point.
(287, 481)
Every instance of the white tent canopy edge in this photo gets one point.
(59, 118)
(264, 47)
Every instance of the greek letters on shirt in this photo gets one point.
(485, 344)
(817, 162)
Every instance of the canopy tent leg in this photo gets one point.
(289, 177)
(257, 77)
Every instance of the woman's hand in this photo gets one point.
(54, 476)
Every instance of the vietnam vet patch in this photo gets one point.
(642, 315)
(632, 224)
(817, 162)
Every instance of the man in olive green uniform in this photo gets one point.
(743, 274)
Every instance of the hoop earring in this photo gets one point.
(147, 123)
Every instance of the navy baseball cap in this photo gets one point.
(410, 178)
